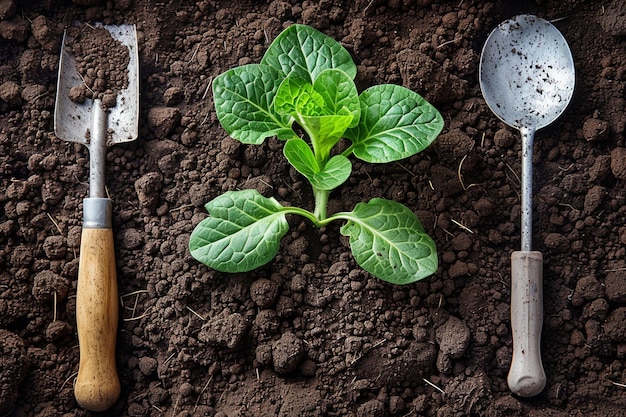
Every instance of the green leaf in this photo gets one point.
(304, 52)
(395, 123)
(242, 233)
(334, 172)
(324, 109)
(300, 155)
(339, 93)
(325, 131)
(244, 99)
(296, 96)
(388, 240)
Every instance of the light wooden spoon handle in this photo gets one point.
(97, 385)
(526, 376)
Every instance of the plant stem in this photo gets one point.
(321, 196)
(321, 203)
(306, 214)
(348, 151)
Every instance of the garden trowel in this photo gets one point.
(89, 122)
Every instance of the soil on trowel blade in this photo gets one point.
(101, 62)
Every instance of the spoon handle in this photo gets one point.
(528, 138)
(526, 376)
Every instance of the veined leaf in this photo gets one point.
(327, 177)
(395, 123)
(301, 157)
(326, 131)
(296, 96)
(333, 93)
(324, 109)
(242, 233)
(244, 99)
(339, 93)
(388, 240)
(304, 52)
(335, 172)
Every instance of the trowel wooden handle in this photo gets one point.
(97, 385)
(526, 376)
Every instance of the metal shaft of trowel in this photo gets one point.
(528, 135)
(97, 151)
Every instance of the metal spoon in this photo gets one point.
(527, 79)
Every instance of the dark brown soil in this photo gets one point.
(311, 334)
(101, 62)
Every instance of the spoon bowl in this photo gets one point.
(527, 72)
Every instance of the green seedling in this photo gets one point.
(306, 79)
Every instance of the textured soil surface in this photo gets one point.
(311, 334)
(101, 63)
